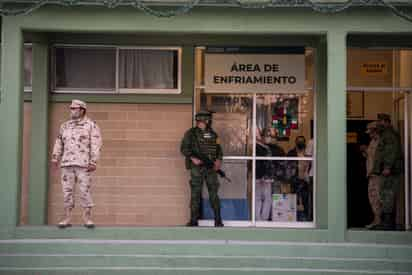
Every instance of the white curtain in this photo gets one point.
(147, 69)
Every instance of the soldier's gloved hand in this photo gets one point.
(218, 164)
(386, 172)
(196, 161)
(91, 168)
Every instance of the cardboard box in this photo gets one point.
(284, 207)
(285, 188)
(283, 216)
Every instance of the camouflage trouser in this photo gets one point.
(70, 175)
(263, 199)
(374, 185)
(198, 175)
(301, 188)
(389, 189)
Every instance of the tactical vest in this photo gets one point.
(207, 142)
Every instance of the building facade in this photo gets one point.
(317, 70)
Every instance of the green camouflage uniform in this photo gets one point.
(388, 155)
(205, 142)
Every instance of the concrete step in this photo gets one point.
(207, 248)
(196, 261)
(81, 256)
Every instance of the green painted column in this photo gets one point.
(336, 135)
(188, 70)
(37, 198)
(11, 107)
(321, 187)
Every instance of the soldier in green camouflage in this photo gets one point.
(198, 143)
(388, 163)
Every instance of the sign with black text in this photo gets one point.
(254, 72)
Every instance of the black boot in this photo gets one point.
(192, 223)
(218, 219)
(218, 223)
(387, 222)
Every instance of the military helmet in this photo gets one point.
(203, 116)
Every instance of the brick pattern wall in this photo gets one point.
(25, 163)
(140, 179)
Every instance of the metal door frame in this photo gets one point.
(253, 158)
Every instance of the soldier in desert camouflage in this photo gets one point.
(77, 149)
(374, 178)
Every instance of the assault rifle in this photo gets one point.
(209, 164)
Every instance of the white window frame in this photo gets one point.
(273, 224)
(116, 89)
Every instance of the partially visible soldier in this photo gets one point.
(374, 179)
(77, 148)
(299, 178)
(202, 141)
(388, 163)
(264, 179)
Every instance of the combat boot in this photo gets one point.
(375, 223)
(192, 223)
(66, 221)
(218, 219)
(218, 223)
(386, 224)
(88, 223)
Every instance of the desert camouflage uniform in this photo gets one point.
(77, 146)
(375, 180)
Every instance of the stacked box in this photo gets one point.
(285, 188)
(284, 207)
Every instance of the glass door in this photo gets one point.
(268, 143)
(232, 120)
(283, 160)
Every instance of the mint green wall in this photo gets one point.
(37, 199)
(203, 26)
(321, 138)
(336, 134)
(10, 123)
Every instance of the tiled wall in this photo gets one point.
(25, 163)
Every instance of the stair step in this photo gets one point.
(196, 261)
(200, 257)
(207, 248)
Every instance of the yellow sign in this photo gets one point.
(352, 137)
(374, 68)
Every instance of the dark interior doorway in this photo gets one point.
(358, 208)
